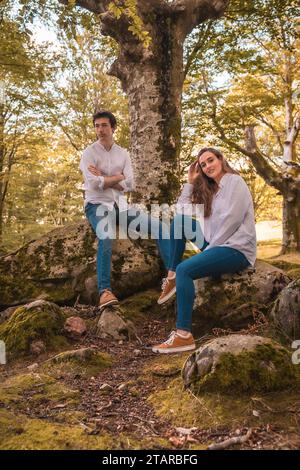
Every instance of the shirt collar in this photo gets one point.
(103, 148)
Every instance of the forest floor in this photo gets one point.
(137, 402)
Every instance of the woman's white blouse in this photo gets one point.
(232, 221)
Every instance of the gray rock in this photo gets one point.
(240, 363)
(61, 267)
(112, 325)
(231, 301)
(286, 310)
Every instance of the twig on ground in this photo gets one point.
(230, 442)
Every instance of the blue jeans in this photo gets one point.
(103, 222)
(211, 262)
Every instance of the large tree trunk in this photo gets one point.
(153, 83)
(153, 78)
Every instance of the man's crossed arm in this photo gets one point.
(109, 181)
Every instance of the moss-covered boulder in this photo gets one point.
(38, 387)
(239, 364)
(233, 300)
(84, 362)
(39, 320)
(286, 311)
(61, 267)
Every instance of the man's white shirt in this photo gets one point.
(110, 162)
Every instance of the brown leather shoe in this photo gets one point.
(168, 290)
(107, 298)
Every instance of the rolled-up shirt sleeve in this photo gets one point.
(128, 183)
(95, 182)
(235, 205)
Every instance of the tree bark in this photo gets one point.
(2, 153)
(291, 212)
(153, 83)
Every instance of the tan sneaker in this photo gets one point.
(175, 343)
(168, 290)
(107, 298)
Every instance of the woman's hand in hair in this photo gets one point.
(194, 172)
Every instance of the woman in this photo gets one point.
(229, 242)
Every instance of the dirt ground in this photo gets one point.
(143, 404)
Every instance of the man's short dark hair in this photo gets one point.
(108, 115)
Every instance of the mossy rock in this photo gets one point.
(61, 267)
(38, 388)
(233, 301)
(285, 313)
(240, 364)
(85, 362)
(38, 320)
(136, 306)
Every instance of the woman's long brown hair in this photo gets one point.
(205, 187)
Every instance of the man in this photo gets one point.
(108, 174)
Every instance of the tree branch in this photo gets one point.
(251, 150)
(195, 12)
(275, 131)
(95, 6)
(203, 35)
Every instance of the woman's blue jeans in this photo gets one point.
(104, 221)
(211, 262)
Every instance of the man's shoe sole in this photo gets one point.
(110, 302)
(167, 297)
(190, 347)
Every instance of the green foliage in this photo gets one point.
(234, 68)
(48, 115)
(136, 27)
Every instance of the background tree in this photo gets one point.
(51, 92)
(256, 113)
(22, 72)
